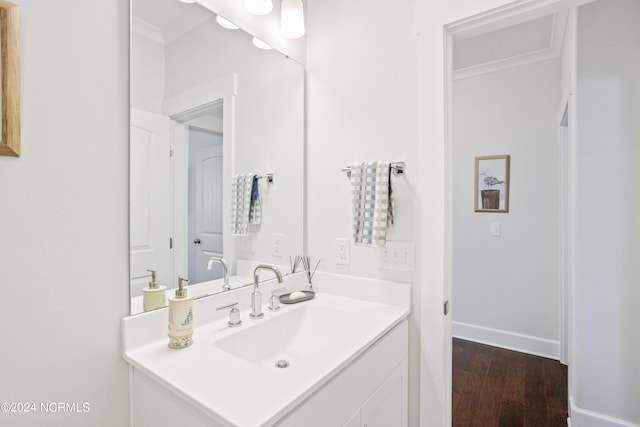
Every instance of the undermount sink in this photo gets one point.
(294, 336)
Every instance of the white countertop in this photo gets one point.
(240, 391)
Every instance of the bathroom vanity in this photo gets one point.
(339, 359)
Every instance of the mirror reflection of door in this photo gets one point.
(150, 204)
(205, 203)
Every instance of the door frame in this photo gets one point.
(509, 14)
(181, 108)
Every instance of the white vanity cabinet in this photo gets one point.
(387, 406)
(369, 391)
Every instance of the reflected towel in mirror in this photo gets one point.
(255, 207)
(241, 186)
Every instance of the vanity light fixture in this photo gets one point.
(258, 7)
(224, 23)
(260, 44)
(292, 19)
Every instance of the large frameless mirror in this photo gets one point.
(216, 153)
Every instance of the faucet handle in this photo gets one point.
(274, 302)
(234, 314)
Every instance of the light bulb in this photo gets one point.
(260, 44)
(224, 23)
(258, 7)
(292, 19)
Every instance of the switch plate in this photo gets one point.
(277, 245)
(495, 229)
(397, 255)
(342, 252)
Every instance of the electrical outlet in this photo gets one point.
(277, 245)
(397, 255)
(342, 252)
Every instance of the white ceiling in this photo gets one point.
(534, 40)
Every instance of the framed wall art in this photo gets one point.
(492, 184)
(10, 77)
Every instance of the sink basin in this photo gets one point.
(226, 368)
(293, 336)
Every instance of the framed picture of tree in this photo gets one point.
(492, 184)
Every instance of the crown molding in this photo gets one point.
(147, 30)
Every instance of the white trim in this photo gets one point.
(182, 107)
(144, 29)
(509, 340)
(503, 64)
(563, 241)
(585, 418)
(558, 29)
(197, 97)
(448, 226)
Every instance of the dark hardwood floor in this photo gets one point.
(497, 387)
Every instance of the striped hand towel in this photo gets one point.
(255, 207)
(373, 207)
(240, 203)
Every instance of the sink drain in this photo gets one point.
(282, 364)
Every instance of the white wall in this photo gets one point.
(362, 99)
(505, 289)
(607, 232)
(63, 232)
(147, 68)
(268, 124)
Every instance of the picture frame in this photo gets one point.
(10, 79)
(492, 183)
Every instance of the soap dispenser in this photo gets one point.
(153, 296)
(180, 317)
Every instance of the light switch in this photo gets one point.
(495, 229)
(277, 245)
(397, 255)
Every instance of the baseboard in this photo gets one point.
(509, 340)
(585, 418)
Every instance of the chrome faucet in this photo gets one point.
(256, 295)
(225, 271)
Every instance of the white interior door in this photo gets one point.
(150, 184)
(205, 204)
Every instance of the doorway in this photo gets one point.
(205, 203)
(199, 158)
(502, 94)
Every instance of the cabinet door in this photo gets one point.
(387, 407)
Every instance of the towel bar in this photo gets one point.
(268, 177)
(396, 168)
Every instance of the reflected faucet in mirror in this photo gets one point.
(225, 271)
(256, 295)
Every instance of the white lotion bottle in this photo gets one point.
(154, 296)
(180, 317)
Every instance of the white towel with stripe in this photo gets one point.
(373, 206)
